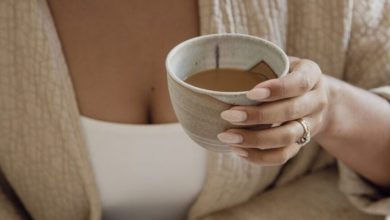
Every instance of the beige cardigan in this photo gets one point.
(45, 170)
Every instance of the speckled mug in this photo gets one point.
(198, 110)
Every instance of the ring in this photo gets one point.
(306, 134)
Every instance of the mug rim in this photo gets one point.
(214, 92)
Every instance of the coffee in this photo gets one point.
(230, 80)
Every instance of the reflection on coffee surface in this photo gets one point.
(231, 80)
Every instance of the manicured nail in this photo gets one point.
(234, 115)
(258, 94)
(229, 138)
(240, 152)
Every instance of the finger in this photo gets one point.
(276, 137)
(303, 77)
(276, 112)
(293, 62)
(272, 157)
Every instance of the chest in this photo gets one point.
(116, 54)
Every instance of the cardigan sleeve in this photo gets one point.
(367, 63)
(313, 196)
(368, 66)
(363, 194)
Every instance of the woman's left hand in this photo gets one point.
(301, 94)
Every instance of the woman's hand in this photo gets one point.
(302, 93)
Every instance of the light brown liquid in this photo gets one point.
(227, 80)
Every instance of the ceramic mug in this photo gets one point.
(198, 110)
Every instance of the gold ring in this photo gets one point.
(306, 134)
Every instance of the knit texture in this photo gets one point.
(42, 151)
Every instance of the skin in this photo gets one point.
(329, 106)
(106, 62)
(115, 51)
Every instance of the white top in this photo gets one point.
(144, 171)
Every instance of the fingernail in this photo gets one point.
(240, 152)
(229, 138)
(258, 94)
(234, 115)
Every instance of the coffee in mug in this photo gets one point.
(230, 79)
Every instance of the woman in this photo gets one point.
(46, 165)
